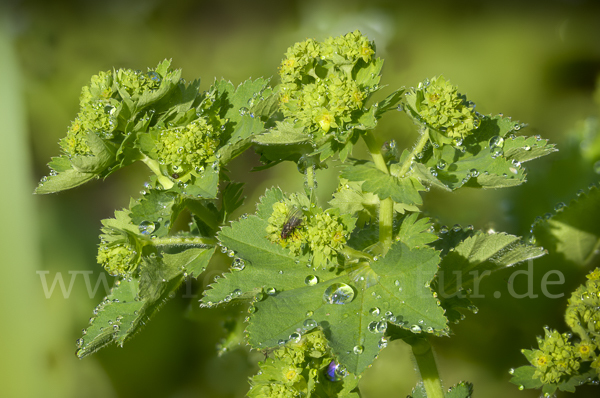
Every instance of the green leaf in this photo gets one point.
(478, 165)
(479, 255)
(418, 391)
(460, 390)
(232, 197)
(389, 103)
(62, 181)
(75, 171)
(401, 190)
(523, 376)
(133, 301)
(284, 133)
(159, 207)
(291, 304)
(574, 230)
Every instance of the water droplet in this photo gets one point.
(474, 172)
(146, 227)
(335, 371)
(415, 329)
(374, 311)
(433, 171)
(243, 110)
(79, 343)
(397, 282)
(441, 164)
(358, 349)
(311, 280)
(443, 229)
(295, 337)
(382, 343)
(338, 293)
(309, 313)
(497, 152)
(457, 228)
(559, 206)
(496, 141)
(238, 264)
(310, 324)
(271, 291)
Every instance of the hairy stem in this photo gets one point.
(428, 368)
(417, 149)
(184, 241)
(155, 167)
(310, 182)
(386, 207)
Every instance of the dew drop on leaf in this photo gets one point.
(559, 206)
(295, 337)
(338, 293)
(441, 165)
(382, 343)
(335, 372)
(309, 313)
(271, 291)
(238, 264)
(496, 141)
(146, 227)
(310, 324)
(311, 280)
(374, 311)
(415, 329)
(358, 349)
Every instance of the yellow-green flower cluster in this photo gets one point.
(135, 82)
(439, 104)
(97, 114)
(556, 358)
(117, 259)
(319, 91)
(582, 313)
(188, 147)
(99, 102)
(319, 233)
(293, 369)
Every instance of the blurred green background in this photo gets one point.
(536, 61)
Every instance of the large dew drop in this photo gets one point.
(338, 293)
(146, 227)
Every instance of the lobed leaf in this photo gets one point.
(393, 289)
(573, 231)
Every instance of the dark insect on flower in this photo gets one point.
(294, 220)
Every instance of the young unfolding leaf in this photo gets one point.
(574, 230)
(401, 190)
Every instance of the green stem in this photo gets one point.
(176, 241)
(417, 149)
(310, 182)
(386, 206)
(155, 167)
(428, 368)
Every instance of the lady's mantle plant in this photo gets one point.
(327, 284)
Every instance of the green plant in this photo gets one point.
(326, 287)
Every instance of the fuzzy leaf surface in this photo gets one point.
(397, 283)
